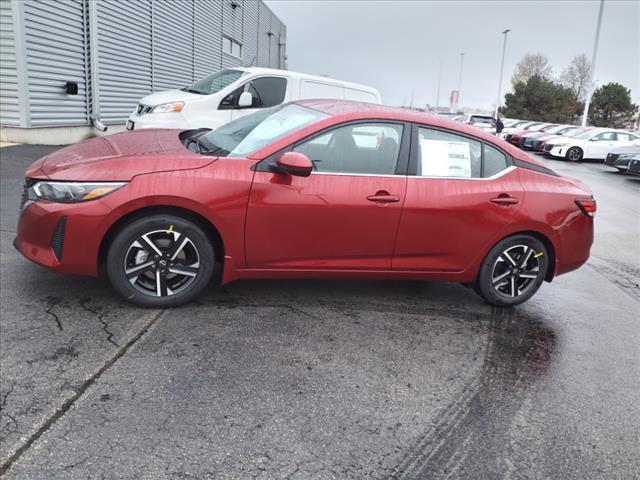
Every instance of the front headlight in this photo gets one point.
(71, 192)
(168, 107)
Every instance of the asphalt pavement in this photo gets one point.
(325, 379)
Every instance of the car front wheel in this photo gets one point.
(512, 271)
(574, 154)
(160, 261)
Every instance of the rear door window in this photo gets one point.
(444, 154)
(494, 161)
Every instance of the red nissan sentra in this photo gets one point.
(311, 189)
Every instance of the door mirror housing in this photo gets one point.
(245, 100)
(295, 163)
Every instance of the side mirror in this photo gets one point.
(295, 163)
(245, 100)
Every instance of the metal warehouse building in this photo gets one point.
(67, 63)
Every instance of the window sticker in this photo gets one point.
(441, 158)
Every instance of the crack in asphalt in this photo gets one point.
(623, 276)
(71, 401)
(6, 396)
(100, 316)
(52, 302)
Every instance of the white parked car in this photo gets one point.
(594, 144)
(484, 122)
(229, 94)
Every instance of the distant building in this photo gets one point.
(68, 63)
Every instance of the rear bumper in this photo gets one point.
(574, 243)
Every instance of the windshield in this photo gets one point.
(585, 135)
(214, 83)
(251, 133)
(479, 119)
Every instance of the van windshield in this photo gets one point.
(214, 83)
(252, 132)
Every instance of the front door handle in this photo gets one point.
(504, 199)
(383, 196)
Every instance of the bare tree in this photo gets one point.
(530, 65)
(576, 76)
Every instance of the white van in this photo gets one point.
(229, 94)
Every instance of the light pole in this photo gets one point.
(587, 100)
(504, 49)
(460, 79)
(439, 82)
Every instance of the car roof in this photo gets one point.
(291, 74)
(346, 110)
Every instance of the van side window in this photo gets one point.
(266, 92)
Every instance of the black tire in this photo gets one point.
(525, 256)
(181, 255)
(574, 154)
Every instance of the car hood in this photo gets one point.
(119, 157)
(166, 96)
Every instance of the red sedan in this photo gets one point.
(312, 189)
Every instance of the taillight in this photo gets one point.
(587, 206)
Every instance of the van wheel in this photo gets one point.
(512, 271)
(160, 261)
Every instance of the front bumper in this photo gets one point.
(614, 160)
(557, 151)
(62, 237)
(157, 120)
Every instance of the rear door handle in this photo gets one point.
(504, 199)
(383, 196)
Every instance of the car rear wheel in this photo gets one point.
(160, 261)
(512, 271)
(574, 154)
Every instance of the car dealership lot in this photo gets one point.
(326, 379)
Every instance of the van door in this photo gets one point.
(265, 91)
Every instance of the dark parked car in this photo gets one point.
(634, 167)
(621, 157)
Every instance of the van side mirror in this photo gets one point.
(245, 100)
(295, 163)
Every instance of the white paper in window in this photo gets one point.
(441, 158)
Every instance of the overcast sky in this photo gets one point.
(396, 45)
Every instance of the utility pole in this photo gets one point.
(504, 49)
(587, 100)
(439, 82)
(460, 79)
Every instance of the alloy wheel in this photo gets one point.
(162, 263)
(515, 271)
(574, 154)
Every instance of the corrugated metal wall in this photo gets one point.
(9, 103)
(173, 36)
(55, 54)
(232, 12)
(208, 38)
(142, 46)
(250, 32)
(124, 56)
